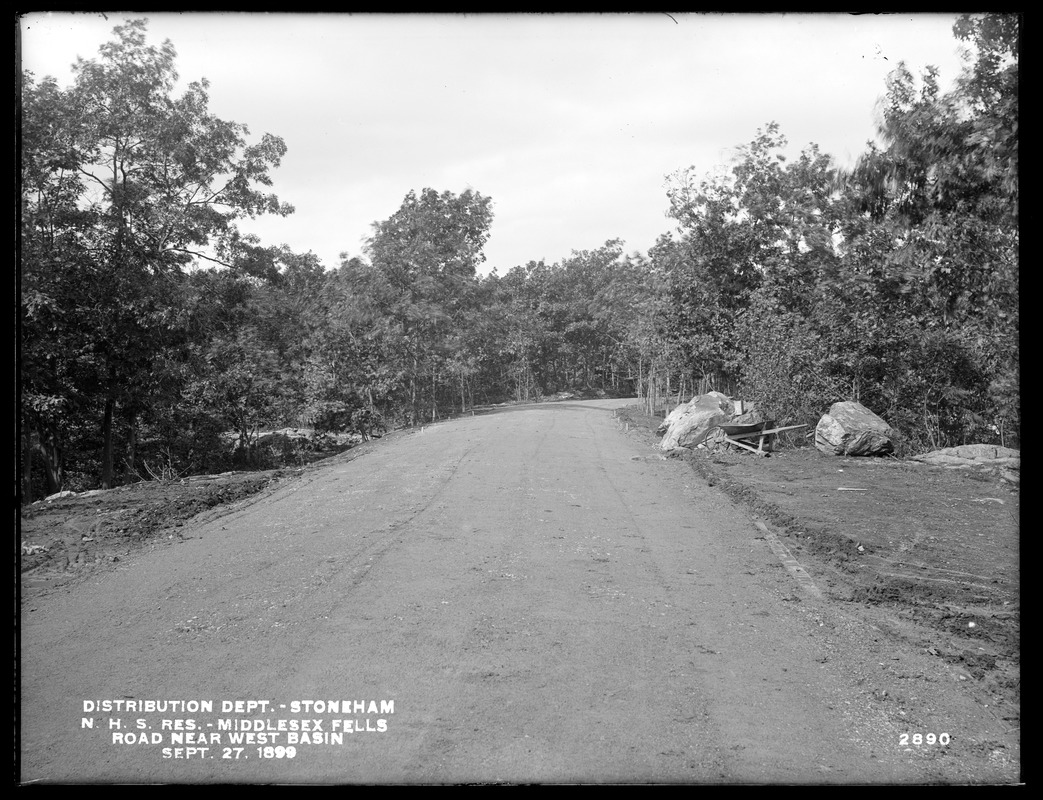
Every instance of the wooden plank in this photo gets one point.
(730, 440)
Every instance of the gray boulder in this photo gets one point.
(689, 423)
(851, 429)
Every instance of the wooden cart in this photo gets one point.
(741, 435)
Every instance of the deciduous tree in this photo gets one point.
(138, 183)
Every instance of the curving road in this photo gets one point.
(527, 595)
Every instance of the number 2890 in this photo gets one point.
(905, 739)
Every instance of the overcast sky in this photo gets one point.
(569, 123)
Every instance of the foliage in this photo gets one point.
(123, 186)
(944, 191)
(895, 285)
(424, 259)
(156, 340)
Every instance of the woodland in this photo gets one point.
(157, 340)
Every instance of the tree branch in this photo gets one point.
(199, 255)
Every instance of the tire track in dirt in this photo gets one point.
(342, 580)
(529, 633)
(538, 605)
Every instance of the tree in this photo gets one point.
(138, 183)
(428, 252)
(55, 265)
(354, 372)
(751, 240)
(944, 189)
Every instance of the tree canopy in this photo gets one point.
(155, 339)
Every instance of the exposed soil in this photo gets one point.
(930, 553)
(535, 605)
(934, 549)
(72, 534)
(67, 535)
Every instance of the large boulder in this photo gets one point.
(851, 429)
(689, 423)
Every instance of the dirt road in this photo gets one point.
(527, 595)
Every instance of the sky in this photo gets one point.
(571, 124)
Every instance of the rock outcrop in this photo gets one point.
(988, 455)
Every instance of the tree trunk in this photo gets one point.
(434, 402)
(414, 409)
(652, 399)
(27, 467)
(48, 447)
(412, 396)
(132, 443)
(106, 436)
